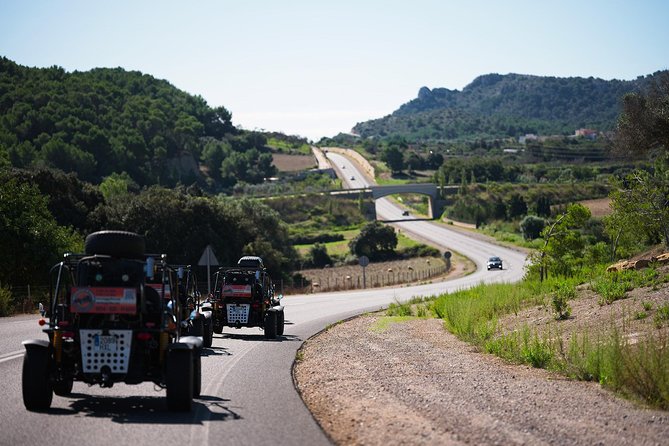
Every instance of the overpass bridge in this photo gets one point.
(433, 192)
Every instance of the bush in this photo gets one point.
(5, 301)
(310, 239)
(561, 300)
(319, 255)
(531, 227)
(419, 251)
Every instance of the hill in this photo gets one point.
(109, 120)
(497, 106)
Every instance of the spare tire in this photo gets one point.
(116, 244)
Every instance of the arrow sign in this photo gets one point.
(208, 259)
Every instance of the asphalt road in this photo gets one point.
(248, 397)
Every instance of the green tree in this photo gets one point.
(115, 186)
(531, 227)
(643, 125)
(641, 202)
(319, 255)
(392, 156)
(376, 241)
(516, 207)
(30, 238)
(563, 244)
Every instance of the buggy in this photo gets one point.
(112, 320)
(244, 297)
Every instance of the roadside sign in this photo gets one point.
(363, 261)
(208, 259)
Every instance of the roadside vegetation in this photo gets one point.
(570, 314)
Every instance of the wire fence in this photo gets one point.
(332, 280)
(26, 298)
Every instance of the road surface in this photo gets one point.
(248, 397)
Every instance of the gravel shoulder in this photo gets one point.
(374, 380)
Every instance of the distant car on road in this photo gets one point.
(343, 166)
(405, 213)
(352, 178)
(494, 262)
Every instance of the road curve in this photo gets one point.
(248, 393)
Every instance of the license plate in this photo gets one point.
(238, 310)
(105, 343)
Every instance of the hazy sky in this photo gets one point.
(315, 68)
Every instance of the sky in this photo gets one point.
(315, 68)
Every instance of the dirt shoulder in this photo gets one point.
(371, 382)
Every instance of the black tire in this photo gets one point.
(197, 374)
(217, 330)
(270, 325)
(179, 380)
(116, 244)
(207, 333)
(36, 385)
(280, 323)
(64, 387)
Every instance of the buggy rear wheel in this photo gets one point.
(36, 385)
(179, 379)
(207, 333)
(280, 323)
(270, 325)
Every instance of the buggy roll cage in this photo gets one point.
(70, 264)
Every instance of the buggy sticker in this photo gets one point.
(237, 290)
(107, 300)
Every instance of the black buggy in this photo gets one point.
(244, 297)
(107, 325)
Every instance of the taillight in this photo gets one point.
(68, 335)
(64, 323)
(150, 324)
(143, 336)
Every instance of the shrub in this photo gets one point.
(5, 301)
(531, 227)
(399, 309)
(319, 255)
(561, 300)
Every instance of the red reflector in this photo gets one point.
(150, 324)
(143, 336)
(68, 334)
(41, 322)
(64, 323)
(256, 305)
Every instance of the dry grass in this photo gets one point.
(599, 207)
(293, 163)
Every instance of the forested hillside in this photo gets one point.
(497, 106)
(107, 121)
